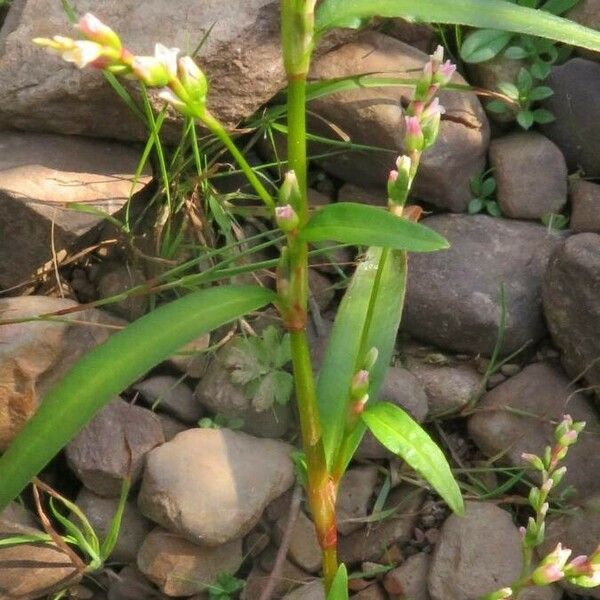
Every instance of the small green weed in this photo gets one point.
(226, 588)
(524, 95)
(555, 221)
(483, 187)
(258, 364)
(220, 422)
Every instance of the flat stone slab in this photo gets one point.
(40, 175)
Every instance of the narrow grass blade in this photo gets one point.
(110, 368)
(365, 225)
(484, 14)
(400, 434)
(347, 341)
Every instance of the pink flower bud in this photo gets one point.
(444, 74)
(580, 565)
(286, 218)
(358, 407)
(150, 71)
(547, 574)
(413, 135)
(533, 460)
(558, 475)
(430, 121)
(96, 31)
(551, 569)
(360, 384)
(569, 438)
(193, 79)
(547, 486)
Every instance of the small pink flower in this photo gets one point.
(413, 136)
(444, 74)
(286, 218)
(96, 31)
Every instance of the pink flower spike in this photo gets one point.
(393, 176)
(96, 31)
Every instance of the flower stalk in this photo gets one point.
(583, 571)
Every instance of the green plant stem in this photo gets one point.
(296, 28)
(218, 130)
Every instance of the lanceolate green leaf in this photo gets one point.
(485, 14)
(342, 353)
(339, 587)
(365, 225)
(401, 435)
(110, 368)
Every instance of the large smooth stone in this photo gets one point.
(453, 296)
(212, 485)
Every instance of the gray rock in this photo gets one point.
(449, 387)
(291, 577)
(100, 512)
(576, 130)
(322, 290)
(234, 477)
(374, 116)
(578, 530)
(309, 591)
(543, 391)
(409, 580)
(476, 554)
(180, 568)
(354, 193)
(571, 304)
(130, 584)
(171, 427)
(304, 549)
(585, 207)
(404, 390)
(370, 542)
(34, 355)
(31, 571)
(171, 395)
(113, 444)
(119, 279)
(531, 175)
(240, 55)
(354, 496)
(419, 35)
(217, 393)
(453, 296)
(41, 174)
(373, 592)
